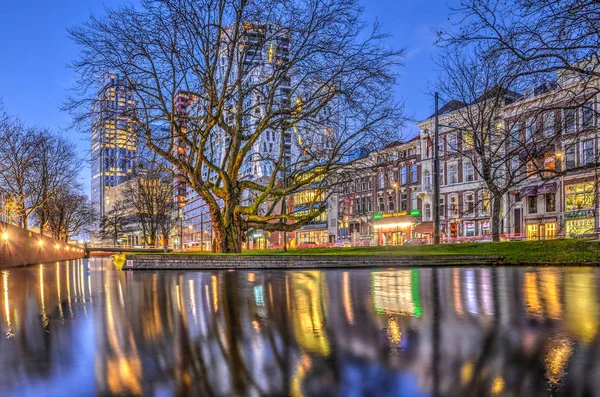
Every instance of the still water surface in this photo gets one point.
(81, 329)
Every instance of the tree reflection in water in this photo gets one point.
(80, 328)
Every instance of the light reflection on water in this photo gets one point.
(80, 328)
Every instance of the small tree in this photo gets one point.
(70, 213)
(152, 194)
(115, 222)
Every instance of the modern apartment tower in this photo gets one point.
(114, 143)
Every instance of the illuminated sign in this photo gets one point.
(415, 213)
(382, 216)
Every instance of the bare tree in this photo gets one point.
(69, 213)
(57, 166)
(115, 222)
(549, 51)
(18, 164)
(279, 89)
(152, 194)
(541, 37)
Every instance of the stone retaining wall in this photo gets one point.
(19, 247)
(199, 262)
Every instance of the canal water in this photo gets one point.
(80, 328)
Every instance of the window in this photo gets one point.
(427, 178)
(530, 129)
(441, 175)
(403, 202)
(391, 178)
(469, 173)
(452, 175)
(569, 119)
(364, 184)
(532, 204)
(414, 202)
(587, 115)
(454, 206)
(485, 202)
(550, 165)
(452, 143)
(467, 140)
(442, 207)
(549, 124)
(403, 175)
(381, 180)
(358, 189)
(390, 204)
(380, 204)
(370, 183)
(515, 165)
(357, 207)
(579, 196)
(441, 148)
(369, 204)
(550, 202)
(570, 161)
(587, 152)
(469, 229)
(427, 212)
(513, 130)
(469, 203)
(413, 173)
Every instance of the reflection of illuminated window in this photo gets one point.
(396, 292)
(471, 292)
(531, 293)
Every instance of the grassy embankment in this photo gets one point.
(550, 251)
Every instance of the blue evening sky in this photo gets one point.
(35, 79)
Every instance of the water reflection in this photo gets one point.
(79, 328)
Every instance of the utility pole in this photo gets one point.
(436, 177)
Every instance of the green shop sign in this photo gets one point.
(415, 213)
(579, 214)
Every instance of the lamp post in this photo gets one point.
(436, 177)
(397, 210)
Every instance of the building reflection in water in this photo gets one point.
(80, 328)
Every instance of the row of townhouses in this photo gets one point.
(547, 148)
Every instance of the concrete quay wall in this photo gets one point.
(208, 262)
(20, 247)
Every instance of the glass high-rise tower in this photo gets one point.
(114, 141)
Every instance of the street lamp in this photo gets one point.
(397, 210)
(436, 176)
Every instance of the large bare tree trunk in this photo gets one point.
(496, 211)
(228, 238)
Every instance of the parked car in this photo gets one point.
(415, 241)
(307, 244)
(341, 244)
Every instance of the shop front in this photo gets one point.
(541, 228)
(393, 229)
(579, 223)
(311, 236)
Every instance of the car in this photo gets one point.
(307, 244)
(341, 244)
(415, 241)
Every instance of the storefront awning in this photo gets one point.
(533, 190)
(394, 221)
(528, 191)
(424, 228)
(550, 187)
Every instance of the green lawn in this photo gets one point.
(551, 251)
